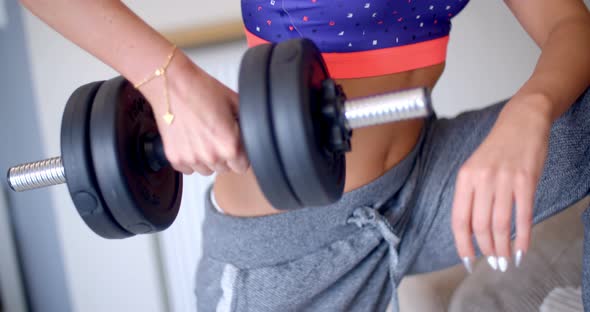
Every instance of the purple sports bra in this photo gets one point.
(349, 33)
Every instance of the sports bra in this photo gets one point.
(358, 38)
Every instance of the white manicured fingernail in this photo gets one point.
(518, 258)
(493, 262)
(502, 264)
(467, 264)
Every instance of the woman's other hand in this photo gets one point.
(502, 173)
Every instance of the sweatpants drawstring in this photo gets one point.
(367, 216)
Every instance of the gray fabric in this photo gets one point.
(566, 299)
(519, 289)
(554, 259)
(350, 256)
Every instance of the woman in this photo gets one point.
(405, 181)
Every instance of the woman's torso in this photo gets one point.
(374, 149)
(405, 44)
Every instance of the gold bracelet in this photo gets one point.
(168, 117)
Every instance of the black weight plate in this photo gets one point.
(141, 200)
(296, 74)
(257, 130)
(78, 166)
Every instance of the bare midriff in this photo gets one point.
(375, 149)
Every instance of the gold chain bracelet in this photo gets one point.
(168, 117)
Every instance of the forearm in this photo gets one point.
(562, 72)
(108, 30)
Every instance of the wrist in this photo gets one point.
(183, 74)
(177, 74)
(537, 106)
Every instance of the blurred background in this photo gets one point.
(50, 260)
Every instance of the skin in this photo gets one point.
(204, 136)
(374, 149)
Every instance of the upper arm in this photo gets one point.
(540, 17)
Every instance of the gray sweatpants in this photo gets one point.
(351, 255)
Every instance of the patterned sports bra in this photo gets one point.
(358, 38)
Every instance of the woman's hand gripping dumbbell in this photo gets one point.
(203, 136)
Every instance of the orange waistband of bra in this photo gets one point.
(378, 62)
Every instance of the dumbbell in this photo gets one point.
(109, 145)
(295, 124)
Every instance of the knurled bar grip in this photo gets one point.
(361, 112)
(388, 107)
(37, 174)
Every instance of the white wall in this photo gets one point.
(489, 58)
(172, 14)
